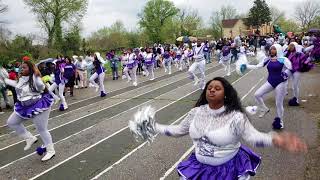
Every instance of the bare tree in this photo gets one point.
(306, 12)
(189, 20)
(276, 14)
(228, 12)
(3, 9)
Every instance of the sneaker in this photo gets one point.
(293, 102)
(252, 110)
(151, 79)
(103, 94)
(135, 84)
(277, 124)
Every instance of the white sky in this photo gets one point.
(103, 13)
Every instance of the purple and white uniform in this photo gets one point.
(216, 137)
(198, 65)
(59, 84)
(278, 70)
(98, 64)
(131, 66)
(296, 58)
(167, 61)
(35, 104)
(148, 66)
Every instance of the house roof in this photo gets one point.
(229, 23)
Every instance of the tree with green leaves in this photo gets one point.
(52, 14)
(288, 25)
(189, 21)
(72, 41)
(154, 17)
(259, 14)
(107, 38)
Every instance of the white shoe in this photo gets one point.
(124, 77)
(30, 140)
(165, 70)
(228, 74)
(252, 110)
(50, 153)
(151, 79)
(263, 112)
(135, 84)
(169, 72)
(76, 86)
(97, 88)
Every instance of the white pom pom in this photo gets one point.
(252, 110)
(143, 125)
(241, 64)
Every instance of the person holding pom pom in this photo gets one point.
(216, 125)
(278, 69)
(34, 102)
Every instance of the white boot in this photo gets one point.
(50, 153)
(30, 140)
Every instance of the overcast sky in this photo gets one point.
(103, 13)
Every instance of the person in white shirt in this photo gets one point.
(199, 64)
(216, 125)
(34, 102)
(81, 66)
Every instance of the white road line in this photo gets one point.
(95, 125)
(190, 150)
(83, 107)
(131, 152)
(251, 89)
(1, 149)
(176, 164)
(86, 149)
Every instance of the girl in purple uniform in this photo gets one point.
(60, 82)
(278, 69)
(98, 65)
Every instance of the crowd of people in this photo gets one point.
(36, 87)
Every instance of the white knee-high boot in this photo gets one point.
(50, 153)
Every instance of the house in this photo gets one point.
(234, 27)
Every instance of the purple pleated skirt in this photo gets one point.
(245, 162)
(27, 112)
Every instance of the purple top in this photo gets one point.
(275, 69)
(69, 71)
(296, 58)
